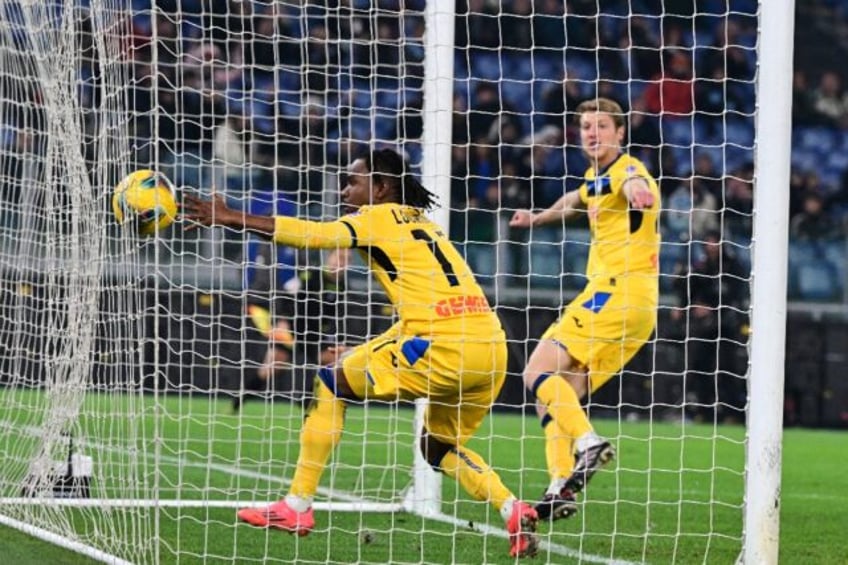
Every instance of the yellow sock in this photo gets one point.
(562, 405)
(475, 476)
(321, 432)
(559, 450)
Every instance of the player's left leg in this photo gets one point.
(321, 432)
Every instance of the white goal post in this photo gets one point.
(768, 305)
(133, 420)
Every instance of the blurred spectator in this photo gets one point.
(814, 222)
(304, 323)
(505, 134)
(549, 31)
(517, 25)
(800, 184)
(671, 93)
(559, 99)
(645, 53)
(321, 68)
(829, 99)
(692, 211)
(459, 126)
(711, 96)
(482, 170)
(233, 150)
(410, 119)
(672, 32)
(739, 204)
(485, 106)
(544, 160)
(611, 60)
(726, 55)
(515, 193)
(714, 295)
(803, 101)
(273, 42)
(477, 25)
(302, 151)
(706, 176)
(644, 127)
(459, 191)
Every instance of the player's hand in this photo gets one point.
(331, 355)
(201, 212)
(521, 219)
(641, 197)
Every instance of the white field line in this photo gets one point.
(62, 541)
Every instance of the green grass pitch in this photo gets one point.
(673, 495)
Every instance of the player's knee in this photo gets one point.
(433, 450)
(335, 380)
(530, 377)
(533, 379)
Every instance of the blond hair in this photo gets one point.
(604, 105)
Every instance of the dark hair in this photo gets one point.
(390, 168)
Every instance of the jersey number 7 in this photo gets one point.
(437, 252)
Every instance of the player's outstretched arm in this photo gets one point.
(563, 209)
(215, 212)
(282, 229)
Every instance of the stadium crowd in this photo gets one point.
(262, 99)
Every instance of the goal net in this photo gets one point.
(149, 387)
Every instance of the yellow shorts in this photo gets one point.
(603, 328)
(462, 376)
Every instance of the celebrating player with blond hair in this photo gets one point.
(611, 319)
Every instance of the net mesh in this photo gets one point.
(155, 375)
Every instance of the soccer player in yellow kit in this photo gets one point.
(448, 345)
(611, 319)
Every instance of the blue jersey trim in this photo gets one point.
(597, 302)
(328, 377)
(415, 348)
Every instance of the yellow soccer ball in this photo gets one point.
(147, 200)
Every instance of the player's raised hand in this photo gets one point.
(521, 219)
(200, 212)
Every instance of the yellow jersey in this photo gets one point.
(424, 276)
(625, 243)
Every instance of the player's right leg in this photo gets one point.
(456, 414)
(483, 483)
(559, 380)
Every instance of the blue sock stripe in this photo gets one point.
(542, 378)
(328, 377)
(546, 419)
